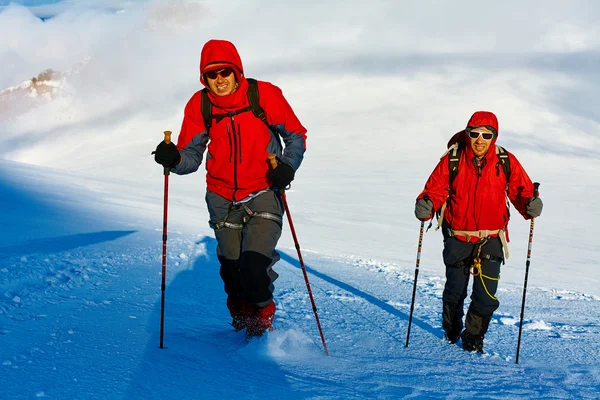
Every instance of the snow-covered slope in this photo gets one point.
(80, 312)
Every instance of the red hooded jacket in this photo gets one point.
(477, 199)
(238, 145)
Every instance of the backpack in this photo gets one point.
(254, 106)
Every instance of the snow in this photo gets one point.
(380, 87)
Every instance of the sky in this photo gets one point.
(380, 86)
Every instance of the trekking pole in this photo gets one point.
(412, 304)
(164, 247)
(536, 186)
(281, 193)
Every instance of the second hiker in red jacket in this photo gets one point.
(469, 188)
(245, 213)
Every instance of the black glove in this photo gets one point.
(423, 209)
(281, 176)
(534, 207)
(167, 155)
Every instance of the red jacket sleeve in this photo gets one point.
(283, 120)
(193, 137)
(436, 187)
(193, 122)
(520, 187)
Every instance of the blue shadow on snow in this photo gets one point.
(366, 296)
(45, 220)
(204, 358)
(61, 243)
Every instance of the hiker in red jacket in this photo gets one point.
(245, 212)
(468, 188)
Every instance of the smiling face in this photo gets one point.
(479, 144)
(221, 82)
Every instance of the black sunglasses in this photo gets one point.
(224, 73)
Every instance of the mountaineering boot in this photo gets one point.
(452, 321)
(240, 311)
(260, 321)
(472, 342)
(476, 328)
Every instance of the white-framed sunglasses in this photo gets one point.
(475, 135)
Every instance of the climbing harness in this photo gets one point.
(476, 270)
(250, 214)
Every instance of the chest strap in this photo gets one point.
(219, 117)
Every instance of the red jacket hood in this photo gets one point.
(479, 118)
(483, 118)
(217, 54)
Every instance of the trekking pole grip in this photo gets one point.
(273, 160)
(167, 171)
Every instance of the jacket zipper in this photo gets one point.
(230, 144)
(479, 170)
(235, 154)
(240, 137)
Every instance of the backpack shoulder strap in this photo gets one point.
(454, 153)
(504, 160)
(206, 109)
(254, 100)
